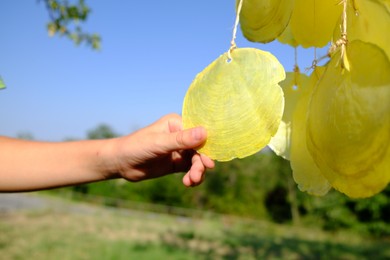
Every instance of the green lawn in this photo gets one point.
(77, 231)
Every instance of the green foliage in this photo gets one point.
(77, 231)
(65, 20)
(2, 84)
(373, 214)
(25, 136)
(102, 131)
(259, 186)
(336, 211)
(239, 187)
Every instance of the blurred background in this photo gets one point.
(122, 66)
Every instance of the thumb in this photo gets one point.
(186, 139)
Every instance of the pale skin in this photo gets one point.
(159, 149)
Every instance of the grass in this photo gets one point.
(78, 231)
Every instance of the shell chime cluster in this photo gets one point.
(332, 124)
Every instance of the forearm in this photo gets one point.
(30, 165)
(156, 150)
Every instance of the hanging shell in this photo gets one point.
(348, 127)
(305, 171)
(368, 21)
(263, 21)
(238, 101)
(287, 37)
(313, 21)
(290, 140)
(292, 88)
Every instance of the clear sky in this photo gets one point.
(151, 52)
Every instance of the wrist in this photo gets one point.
(107, 159)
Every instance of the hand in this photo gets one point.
(163, 148)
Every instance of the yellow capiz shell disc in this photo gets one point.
(293, 87)
(290, 139)
(348, 127)
(263, 21)
(368, 21)
(238, 101)
(313, 21)
(287, 37)
(305, 171)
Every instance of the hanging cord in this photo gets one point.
(315, 61)
(343, 41)
(296, 67)
(233, 41)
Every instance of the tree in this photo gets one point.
(2, 84)
(102, 131)
(25, 136)
(65, 19)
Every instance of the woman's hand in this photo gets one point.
(162, 148)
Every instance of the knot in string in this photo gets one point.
(233, 41)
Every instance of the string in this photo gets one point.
(343, 41)
(344, 34)
(296, 68)
(295, 58)
(315, 61)
(233, 41)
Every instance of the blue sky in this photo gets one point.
(151, 52)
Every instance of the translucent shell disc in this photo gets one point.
(239, 102)
(290, 140)
(293, 87)
(263, 21)
(305, 171)
(287, 37)
(313, 21)
(348, 131)
(368, 21)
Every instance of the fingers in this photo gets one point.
(207, 162)
(174, 123)
(185, 139)
(178, 140)
(173, 137)
(196, 174)
(168, 124)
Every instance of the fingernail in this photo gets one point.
(197, 133)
